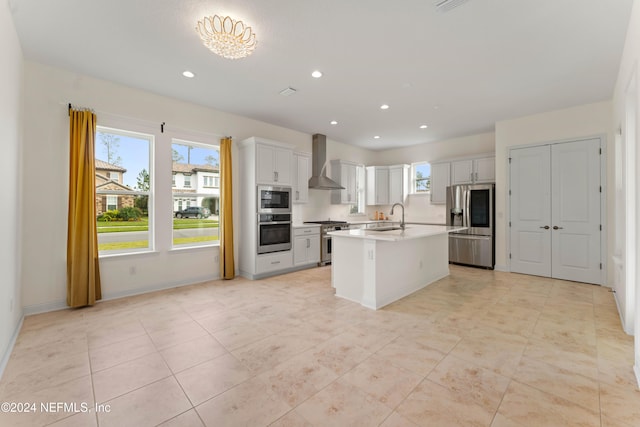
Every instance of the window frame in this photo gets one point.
(414, 179)
(361, 189)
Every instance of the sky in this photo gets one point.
(134, 155)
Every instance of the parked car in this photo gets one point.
(193, 212)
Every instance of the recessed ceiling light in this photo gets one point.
(384, 107)
(188, 74)
(376, 137)
(423, 126)
(333, 122)
(316, 74)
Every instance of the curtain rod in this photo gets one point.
(80, 109)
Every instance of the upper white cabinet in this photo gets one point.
(301, 175)
(377, 185)
(398, 183)
(273, 164)
(473, 171)
(344, 173)
(440, 179)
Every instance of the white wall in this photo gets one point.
(629, 69)
(10, 165)
(45, 181)
(581, 121)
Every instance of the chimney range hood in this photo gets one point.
(319, 179)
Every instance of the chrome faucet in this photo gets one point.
(391, 213)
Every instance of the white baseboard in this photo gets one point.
(636, 369)
(44, 307)
(9, 349)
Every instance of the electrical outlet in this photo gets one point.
(216, 258)
(132, 270)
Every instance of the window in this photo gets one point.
(122, 205)
(421, 177)
(198, 163)
(358, 208)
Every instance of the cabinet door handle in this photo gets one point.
(275, 262)
(546, 227)
(297, 195)
(308, 243)
(476, 176)
(471, 176)
(555, 227)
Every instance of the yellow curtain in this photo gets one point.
(227, 267)
(83, 272)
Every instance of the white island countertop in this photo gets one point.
(410, 232)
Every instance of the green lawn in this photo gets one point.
(143, 225)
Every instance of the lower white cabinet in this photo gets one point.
(306, 245)
(272, 262)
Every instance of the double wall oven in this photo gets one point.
(274, 219)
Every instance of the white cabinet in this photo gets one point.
(301, 175)
(377, 185)
(273, 165)
(398, 183)
(306, 245)
(440, 176)
(473, 171)
(269, 263)
(344, 173)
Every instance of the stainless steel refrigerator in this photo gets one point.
(472, 206)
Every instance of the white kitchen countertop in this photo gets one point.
(410, 232)
(304, 225)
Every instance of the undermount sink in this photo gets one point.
(386, 228)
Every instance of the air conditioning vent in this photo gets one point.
(447, 5)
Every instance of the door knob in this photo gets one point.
(555, 227)
(546, 227)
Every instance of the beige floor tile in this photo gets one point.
(176, 334)
(529, 406)
(187, 354)
(618, 375)
(411, 355)
(297, 379)
(291, 419)
(83, 419)
(397, 420)
(387, 383)
(186, 419)
(620, 403)
(240, 335)
(490, 348)
(146, 406)
(338, 354)
(431, 404)
(114, 332)
(432, 336)
(204, 381)
(500, 420)
(123, 351)
(125, 377)
(251, 403)
(559, 382)
(483, 386)
(569, 358)
(341, 404)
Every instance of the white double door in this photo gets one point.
(555, 220)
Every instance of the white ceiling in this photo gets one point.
(458, 72)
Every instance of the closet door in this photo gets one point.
(530, 207)
(575, 211)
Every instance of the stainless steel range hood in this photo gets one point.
(319, 179)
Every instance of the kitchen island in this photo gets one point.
(375, 268)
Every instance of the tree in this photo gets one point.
(177, 157)
(111, 143)
(142, 184)
(211, 160)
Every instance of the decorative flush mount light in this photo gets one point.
(384, 107)
(316, 74)
(423, 126)
(333, 122)
(227, 37)
(188, 74)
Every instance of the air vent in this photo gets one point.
(447, 5)
(288, 91)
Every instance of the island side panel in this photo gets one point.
(347, 268)
(405, 267)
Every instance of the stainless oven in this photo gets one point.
(274, 233)
(274, 200)
(325, 239)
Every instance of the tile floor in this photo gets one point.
(478, 348)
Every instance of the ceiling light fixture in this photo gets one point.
(227, 37)
(376, 137)
(316, 74)
(188, 74)
(384, 107)
(333, 122)
(423, 126)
